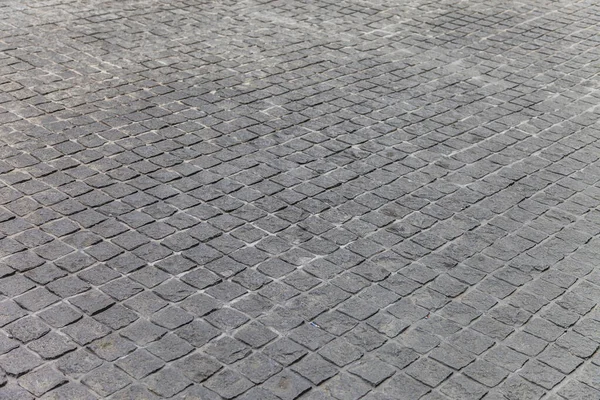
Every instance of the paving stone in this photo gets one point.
(588, 328)
(287, 385)
(52, 345)
(543, 329)
(228, 384)
(198, 333)
(145, 303)
(577, 344)
(116, 317)
(340, 352)
(257, 367)
(461, 387)
(451, 356)
(257, 393)
(13, 391)
(198, 367)
(492, 328)
(226, 318)
(199, 304)
(105, 380)
(428, 371)
(387, 324)
(417, 189)
(575, 389)
(485, 373)
(419, 340)
(15, 285)
(70, 390)
(170, 347)
(167, 382)
(86, 330)
(372, 371)
(518, 388)
(19, 361)
(60, 315)
(135, 391)
(284, 351)
(200, 278)
(143, 332)
(92, 302)
(139, 364)
(402, 386)
(27, 329)
(36, 299)
(228, 350)
(171, 317)
(111, 347)
(541, 374)
(255, 334)
(42, 380)
(78, 363)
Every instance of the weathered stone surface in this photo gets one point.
(299, 200)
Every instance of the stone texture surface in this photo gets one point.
(290, 199)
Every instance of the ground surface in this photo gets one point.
(299, 199)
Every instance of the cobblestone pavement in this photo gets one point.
(299, 199)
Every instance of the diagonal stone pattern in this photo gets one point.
(292, 199)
